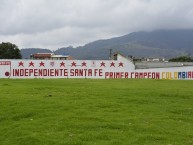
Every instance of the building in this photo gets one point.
(149, 59)
(50, 56)
(155, 59)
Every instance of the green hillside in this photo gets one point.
(95, 112)
(158, 43)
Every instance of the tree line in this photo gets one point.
(9, 51)
(181, 59)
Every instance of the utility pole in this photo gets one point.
(110, 54)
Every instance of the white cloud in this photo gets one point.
(57, 23)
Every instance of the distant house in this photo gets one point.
(50, 56)
(155, 59)
(117, 55)
(149, 59)
(139, 59)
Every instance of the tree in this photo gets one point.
(9, 51)
(181, 59)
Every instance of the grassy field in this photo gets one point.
(96, 112)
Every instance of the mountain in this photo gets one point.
(159, 43)
(28, 51)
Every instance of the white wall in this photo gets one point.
(121, 68)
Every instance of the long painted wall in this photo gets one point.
(120, 68)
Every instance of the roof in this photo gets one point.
(42, 55)
(116, 53)
(65, 56)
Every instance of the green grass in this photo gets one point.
(95, 112)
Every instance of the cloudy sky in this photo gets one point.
(58, 23)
